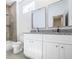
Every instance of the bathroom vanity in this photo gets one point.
(47, 46)
(47, 43)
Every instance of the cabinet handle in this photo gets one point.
(62, 47)
(57, 46)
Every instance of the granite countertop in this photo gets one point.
(62, 31)
(52, 32)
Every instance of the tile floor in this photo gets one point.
(10, 55)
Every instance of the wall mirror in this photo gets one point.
(59, 14)
(38, 20)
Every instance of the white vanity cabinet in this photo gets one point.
(67, 49)
(33, 46)
(37, 49)
(56, 51)
(50, 51)
(27, 48)
(54, 48)
(45, 46)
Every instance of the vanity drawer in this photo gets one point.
(33, 36)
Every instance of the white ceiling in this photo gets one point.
(9, 2)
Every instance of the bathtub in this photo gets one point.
(9, 45)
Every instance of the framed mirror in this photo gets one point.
(38, 20)
(58, 14)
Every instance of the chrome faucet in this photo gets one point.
(37, 29)
(58, 30)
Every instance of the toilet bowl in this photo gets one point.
(9, 46)
(17, 47)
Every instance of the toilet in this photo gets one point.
(17, 47)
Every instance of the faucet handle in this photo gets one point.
(37, 29)
(58, 30)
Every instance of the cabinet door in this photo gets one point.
(68, 51)
(37, 49)
(50, 51)
(27, 48)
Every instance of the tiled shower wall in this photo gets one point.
(11, 23)
(7, 22)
